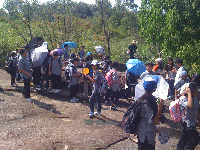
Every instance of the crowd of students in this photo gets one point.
(176, 76)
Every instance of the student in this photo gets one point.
(146, 131)
(13, 68)
(149, 71)
(81, 53)
(181, 81)
(170, 76)
(26, 73)
(55, 71)
(181, 68)
(74, 80)
(45, 73)
(130, 81)
(96, 80)
(114, 87)
(66, 52)
(189, 105)
(19, 78)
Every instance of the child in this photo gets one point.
(114, 87)
(13, 68)
(181, 68)
(146, 131)
(149, 71)
(181, 81)
(96, 80)
(45, 72)
(81, 53)
(130, 81)
(66, 52)
(74, 80)
(170, 75)
(190, 137)
(55, 71)
(26, 73)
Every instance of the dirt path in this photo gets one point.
(51, 122)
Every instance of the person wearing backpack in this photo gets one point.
(13, 68)
(114, 87)
(146, 131)
(190, 136)
(130, 81)
(55, 71)
(74, 80)
(45, 73)
(96, 80)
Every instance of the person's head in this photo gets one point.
(159, 61)
(170, 60)
(66, 46)
(194, 88)
(179, 62)
(184, 75)
(82, 47)
(22, 52)
(35, 46)
(106, 57)
(55, 54)
(75, 61)
(196, 79)
(13, 54)
(17, 51)
(72, 55)
(115, 64)
(27, 47)
(95, 64)
(40, 41)
(134, 42)
(150, 85)
(149, 66)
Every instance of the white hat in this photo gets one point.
(94, 62)
(134, 41)
(183, 73)
(159, 60)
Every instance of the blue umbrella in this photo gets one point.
(135, 66)
(70, 45)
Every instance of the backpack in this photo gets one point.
(131, 78)
(104, 84)
(174, 109)
(9, 65)
(45, 64)
(67, 71)
(132, 117)
(109, 77)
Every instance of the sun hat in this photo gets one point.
(159, 60)
(183, 73)
(134, 41)
(94, 62)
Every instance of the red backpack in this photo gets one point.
(109, 77)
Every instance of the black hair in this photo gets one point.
(26, 46)
(193, 87)
(72, 55)
(83, 46)
(21, 51)
(106, 57)
(75, 59)
(65, 45)
(115, 64)
(13, 54)
(35, 46)
(39, 39)
(149, 63)
(55, 53)
(196, 79)
(179, 61)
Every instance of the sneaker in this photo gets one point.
(53, 90)
(38, 88)
(76, 99)
(48, 89)
(28, 100)
(13, 85)
(57, 90)
(73, 101)
(20, 81)
(91, 114)
(97, 113)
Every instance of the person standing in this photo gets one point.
(13, 68)
(81, 53)
(24, 68)
(66, 52)
(132, 49)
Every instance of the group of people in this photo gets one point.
(105, 81)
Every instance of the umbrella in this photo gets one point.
(70, 45)
(34, 41)
(135, 66)
(60, 51)
(99, 49)
(161, 90)
(39, 54)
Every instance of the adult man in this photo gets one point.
(81, 53)
(132, 49)
(66, 52)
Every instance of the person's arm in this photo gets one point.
(24, 72)
(190, 102)
(91, 79)
(176, 94)
(49, 69)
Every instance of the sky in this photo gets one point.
(138, 2)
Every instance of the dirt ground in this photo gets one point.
(51, 122)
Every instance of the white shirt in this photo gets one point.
(178, 75)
